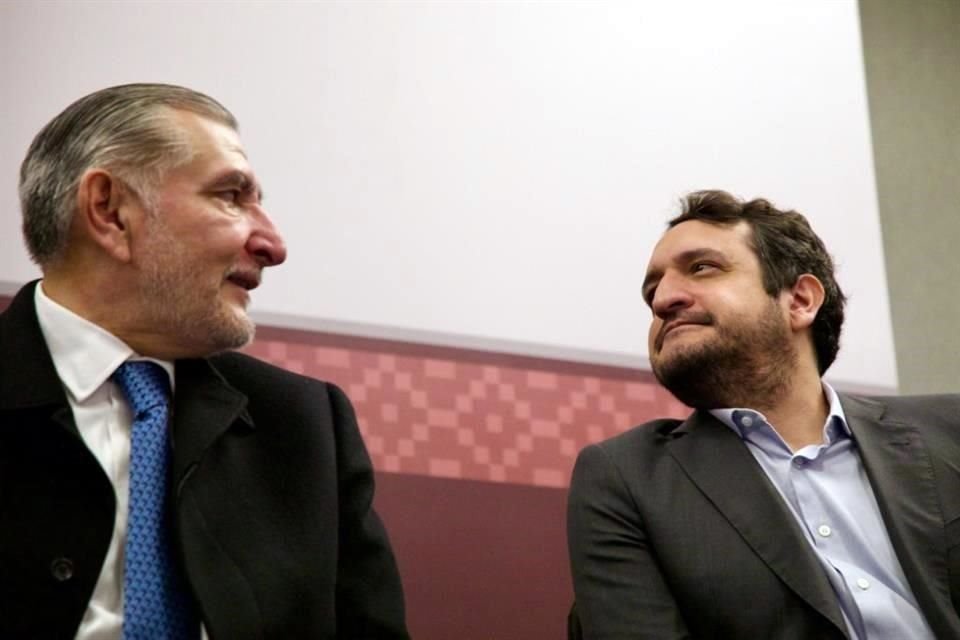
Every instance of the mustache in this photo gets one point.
(688, 317)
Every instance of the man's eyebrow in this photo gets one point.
(697, 254)
(684, 257)
(239, 180)
(238, 149)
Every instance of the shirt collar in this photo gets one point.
(84, 354)
(734, 418)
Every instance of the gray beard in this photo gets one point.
(744, 366)
(172, 301)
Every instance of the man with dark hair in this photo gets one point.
(779, 508)
(152, 483)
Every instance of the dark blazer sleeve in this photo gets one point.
(620, 591)
(369, 594)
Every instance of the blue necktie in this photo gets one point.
(156, 603)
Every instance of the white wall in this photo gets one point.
(490, 174)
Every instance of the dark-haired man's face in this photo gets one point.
(717, 338)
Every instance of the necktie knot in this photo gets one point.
(145, 385)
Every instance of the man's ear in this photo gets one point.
(104, 209)
(805, 298)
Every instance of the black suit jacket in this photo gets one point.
(676, 532)
(273, 491)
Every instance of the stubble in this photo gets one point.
(743, 364)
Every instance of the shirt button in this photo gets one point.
(863, 583)
(61, 569)
(799, 462)
(824, 530)
(746, 421)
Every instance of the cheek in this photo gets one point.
(652, 334)
(239, 236)
(223, 243)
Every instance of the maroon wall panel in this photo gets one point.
(479, 560)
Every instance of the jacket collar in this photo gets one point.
(205, 405)
(28, 378)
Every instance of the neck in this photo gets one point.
(99, 297)
(799, 415)
(89, 297)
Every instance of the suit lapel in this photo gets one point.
(206, 408)
(720, 465)
(900, 470)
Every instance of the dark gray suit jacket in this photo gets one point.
(273, 512)
(676, 532)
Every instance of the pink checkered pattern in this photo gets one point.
(462, 414)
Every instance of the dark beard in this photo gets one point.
(741, 366)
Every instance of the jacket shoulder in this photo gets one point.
(936, 407)
(640, 441)
(241, 370)
(269, 385)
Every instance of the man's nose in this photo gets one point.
(671, 296)
(265, 243)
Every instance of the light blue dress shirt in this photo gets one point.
(827, 490)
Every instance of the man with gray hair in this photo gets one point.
(154, 484)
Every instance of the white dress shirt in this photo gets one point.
(85, 356)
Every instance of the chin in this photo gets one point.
(675, 350)
(230, 328)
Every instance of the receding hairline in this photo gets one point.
(178, 109)
(178, 98)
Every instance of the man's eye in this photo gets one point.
(239, 196)
(229, 195)
(699, 267)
